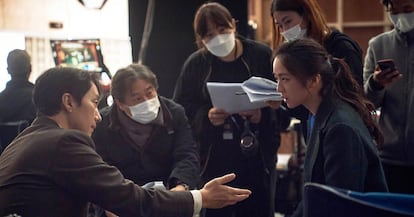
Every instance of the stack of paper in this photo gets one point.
(237, 97)
(261, 90)
(231, 97)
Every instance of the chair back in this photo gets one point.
(325, 201)
(9, 131)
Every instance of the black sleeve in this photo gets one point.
(191, 92)
(186, 166)
(342, 46)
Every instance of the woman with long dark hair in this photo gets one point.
(341, 146)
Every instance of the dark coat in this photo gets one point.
(168, 154)
(49, 171)
(191, 92)
(341, 152)
(16, 102)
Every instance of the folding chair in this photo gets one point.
(325, 201)
(9, 131)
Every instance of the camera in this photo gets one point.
(248, 142)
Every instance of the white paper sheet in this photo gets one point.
(261, 89)
(231, 97)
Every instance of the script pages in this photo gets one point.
(236, 97)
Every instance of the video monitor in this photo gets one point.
(80, 53)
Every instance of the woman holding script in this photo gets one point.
(246, 142)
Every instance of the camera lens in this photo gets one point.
(248, 141)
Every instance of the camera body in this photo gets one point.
(248, 142)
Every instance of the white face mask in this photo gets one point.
(294, 33)
(403, 21)
(221, 45)
(146, 111)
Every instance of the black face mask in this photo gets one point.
(248, 142)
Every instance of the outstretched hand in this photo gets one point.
(217, 195)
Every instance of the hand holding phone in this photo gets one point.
(388, 73)
(385, 64)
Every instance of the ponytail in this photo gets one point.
(305, 58)
(347, 89)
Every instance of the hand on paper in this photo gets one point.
(255, 115)
(217, 116)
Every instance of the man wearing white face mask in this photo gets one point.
(145, 112)
(391, 89)
(146, 136)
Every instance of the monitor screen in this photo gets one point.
(80, 53)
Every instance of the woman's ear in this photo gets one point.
(316, 81)
(68, 102)
(233, 23)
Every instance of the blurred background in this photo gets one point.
(118, 27)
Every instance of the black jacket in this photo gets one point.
(191, 92)
(342, 46)
(16, 102)
(169, 154)
(341, 152)
(50, 171)
(219, 156)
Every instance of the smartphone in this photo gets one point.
(385, 64)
